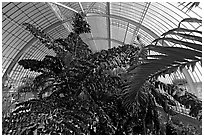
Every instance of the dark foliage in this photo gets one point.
(80, 92)
(77, 93)
(49, 64)
(80, 25)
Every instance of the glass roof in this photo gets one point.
(112, 24)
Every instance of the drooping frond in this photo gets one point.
(169, 60)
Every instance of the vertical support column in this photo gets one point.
(126, 33)
(90, 7)
(108, 24)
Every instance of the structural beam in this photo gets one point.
(126, 33)
(108, 24)
(140, 22)
(90, 7)
(64, 6)
(82, 9)
(59, 15)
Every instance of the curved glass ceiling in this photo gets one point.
(112, 24)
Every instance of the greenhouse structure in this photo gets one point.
(101, 68)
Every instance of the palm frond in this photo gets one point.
(190, 20)
(189, 5)
(187, 36)
(181, 30)
(177, 52)
(169, 60)
(184, 43)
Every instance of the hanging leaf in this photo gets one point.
(181, 68)
(193, 64)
